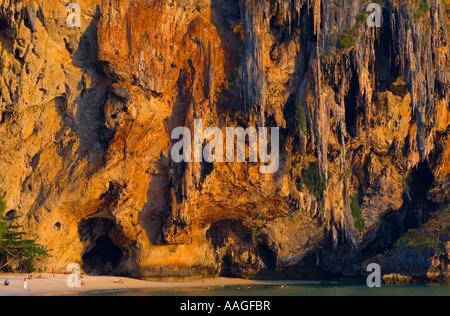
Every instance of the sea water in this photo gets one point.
(289, 290)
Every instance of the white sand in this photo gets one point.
(57, 285)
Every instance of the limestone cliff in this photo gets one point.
(87, 115)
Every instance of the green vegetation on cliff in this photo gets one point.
(359, 221)
(429, 236)
(300, 116)
(423, 9)
(346, 41)
(14, 248)
(315, 180)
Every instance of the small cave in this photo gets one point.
(222, 232)
(101, 256)
(57, 226)
(415, 211)
(227, 266)
(416, 204)
(420, 180)
(268, 257)
(11, 214)
(3, 23)
(351, 107)
(387, 59)
(206, 169)
(6, 116)
(231, 239)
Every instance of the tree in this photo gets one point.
(429, 235)
(14, 247)
(438, 223)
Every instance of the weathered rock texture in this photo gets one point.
(87, 114)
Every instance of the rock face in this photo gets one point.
(396, 279)
(440, 269)
(87, 115)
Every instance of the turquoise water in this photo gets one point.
(291, 290)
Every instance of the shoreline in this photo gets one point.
(57, 285)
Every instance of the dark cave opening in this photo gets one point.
(416, 204)
(103, 258)
(227, 266)
(415, 211)
(351, 107)
(387, 58)
(420, 180)
(267, 256)
(3, 23)
(101, 255)
(206, 169)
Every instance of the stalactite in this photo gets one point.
(256, 21)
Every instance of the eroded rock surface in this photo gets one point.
(87, 115)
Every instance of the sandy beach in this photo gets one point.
(57, 285)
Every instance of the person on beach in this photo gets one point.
(6, 283)
(25, 284)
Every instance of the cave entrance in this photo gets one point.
(268, 257)
(420, 180)
(101, 255)
(351, 106)
(3, 23)
(415, 211)
(227, 265)
(104, 258)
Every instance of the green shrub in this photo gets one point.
(256, 235)
(446, 4)
(300, 116)
(361, 18)
(409, 178)
(346, 41)
(347, 173)
(330, 175)
(356, 211)
(232, 79)
(423, 9)
(429, 235)
(315, 180)
(418, 240)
